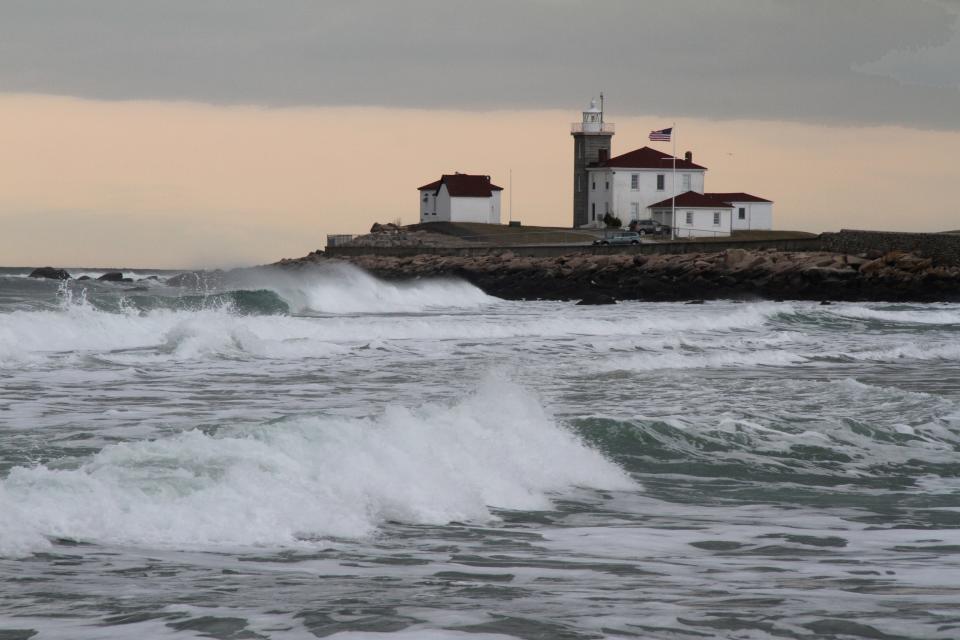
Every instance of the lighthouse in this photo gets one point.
(591, 144)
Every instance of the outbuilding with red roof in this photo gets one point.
(460, 197)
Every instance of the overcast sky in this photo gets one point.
(842, 62)
(218, 132)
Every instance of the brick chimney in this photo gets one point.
(688, 156)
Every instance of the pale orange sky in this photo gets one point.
(177, 184)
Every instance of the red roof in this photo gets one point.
(463, 185)
(646, 158)
(738, 197)
(694, 199)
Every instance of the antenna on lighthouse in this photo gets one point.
(601, 108)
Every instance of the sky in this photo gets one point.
(227, 132)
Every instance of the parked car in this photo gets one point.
(649, 226)
(620, 237)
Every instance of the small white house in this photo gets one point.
(749, 211)
(697, 215)
(626, 185)
(460, 197)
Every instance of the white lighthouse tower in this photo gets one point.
(591, 143)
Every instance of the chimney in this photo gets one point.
(688, 156)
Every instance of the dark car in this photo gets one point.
(620, 237)
(649, 226)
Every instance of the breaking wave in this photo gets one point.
(343, 288)
(298, 480)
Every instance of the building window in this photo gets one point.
(634, 210)
(661, 182)
(606, 207)
(635, 181)
(689, 217)
(580, 150)
(608, 186)
(593, 185)
(716, 218)
(743, 213)
(579, 180)
(686, 182)
(593, 210)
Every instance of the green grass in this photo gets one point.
(503, 235)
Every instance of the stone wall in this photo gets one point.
(941, 247)
(546, 251)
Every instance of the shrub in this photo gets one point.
(612, 222)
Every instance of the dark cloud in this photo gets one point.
(830, 61)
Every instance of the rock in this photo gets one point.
(50, 273)
(83, 278)
(735, 258)
(112, 276)
(188, 279)
(694, 302)
(596, 298)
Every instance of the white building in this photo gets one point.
(749, 212)
(697, 215)
(626, 185)
(460, 197)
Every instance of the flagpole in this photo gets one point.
(673, 186)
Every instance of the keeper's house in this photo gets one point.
(460, 197)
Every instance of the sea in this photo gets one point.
(322, 454)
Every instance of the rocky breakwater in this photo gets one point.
(732, 274)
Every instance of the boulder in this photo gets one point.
(188, 279)
(737, 257)
(597, 298)
(50, 273)
(112, 276)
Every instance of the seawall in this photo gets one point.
(941, 247)
(556, 250)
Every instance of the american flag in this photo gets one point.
(661, 135)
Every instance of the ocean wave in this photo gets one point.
(341, 288)
(949, 315)
(298, 480)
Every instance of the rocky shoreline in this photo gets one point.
(894, 276)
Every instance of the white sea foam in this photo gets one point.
(308, 478)
(344, 288)
(948, 315)
(30, 336)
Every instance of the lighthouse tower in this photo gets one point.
(591, 144)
